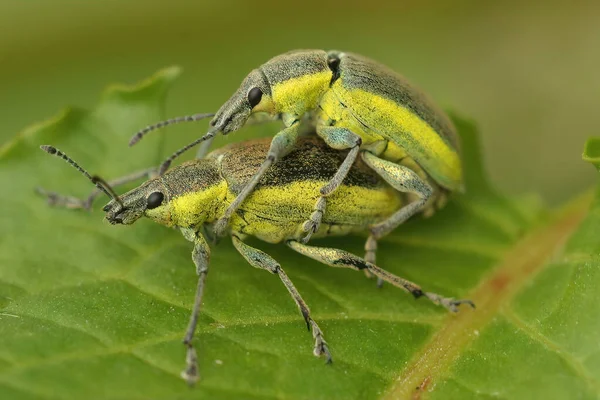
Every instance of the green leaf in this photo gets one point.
(591, 152)
(95, 311)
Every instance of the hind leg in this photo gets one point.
(343, 259)
(404, 180)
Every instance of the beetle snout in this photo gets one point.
(114, 213)
(232, 115)
(230, 123)
(116, 220)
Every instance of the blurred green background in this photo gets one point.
(527, 72)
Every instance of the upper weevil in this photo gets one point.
(353, 103)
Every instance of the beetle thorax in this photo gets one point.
(298, 80)
(196, 192)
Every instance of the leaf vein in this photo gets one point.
(554, 347)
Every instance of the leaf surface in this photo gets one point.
(95, 311)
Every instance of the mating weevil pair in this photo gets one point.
(236, 189)
(354, 103)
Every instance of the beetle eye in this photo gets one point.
(254, 96)
(154, 200)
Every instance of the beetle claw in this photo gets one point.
(310, 227)
(448, 303)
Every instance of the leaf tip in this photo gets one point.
(43, 128)
(591, 152)
(158, 83)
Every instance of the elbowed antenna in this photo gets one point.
(167, 163)
(96, 180)
(186, 118)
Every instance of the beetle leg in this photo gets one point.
(402, 179)
(337, 138)
(282, 143)
(262, 260)
(200, 256)
(370, 249)
(254, 119)
(343, 259)
(58, 200)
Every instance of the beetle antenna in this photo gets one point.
(165, 165)
(186, 118)
(96, 180)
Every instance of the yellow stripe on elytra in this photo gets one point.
(199, 206)
(276, 213)
(297, 95)
(400, 125)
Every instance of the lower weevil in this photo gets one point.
(195, 194)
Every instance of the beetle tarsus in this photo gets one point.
(57, 200)
(190, 373)
(311, 226)
(321, 348)
(450, 303)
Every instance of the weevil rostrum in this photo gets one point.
(195, 194)
(353, 103)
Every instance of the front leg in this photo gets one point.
(262, 260)
(337, 138)
(201, 257)
(281, 144)
(254, 119)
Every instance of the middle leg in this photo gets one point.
(262, 260)
(337, 138)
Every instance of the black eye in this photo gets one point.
(254, 96)
(154, 200)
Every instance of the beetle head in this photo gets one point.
(253, 95)
(150, 199)
(188, 195)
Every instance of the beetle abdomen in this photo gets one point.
(386, 106)
(358, 72)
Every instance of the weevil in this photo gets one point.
(353, 103)
(195, 194)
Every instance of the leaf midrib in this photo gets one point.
(518, 266)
